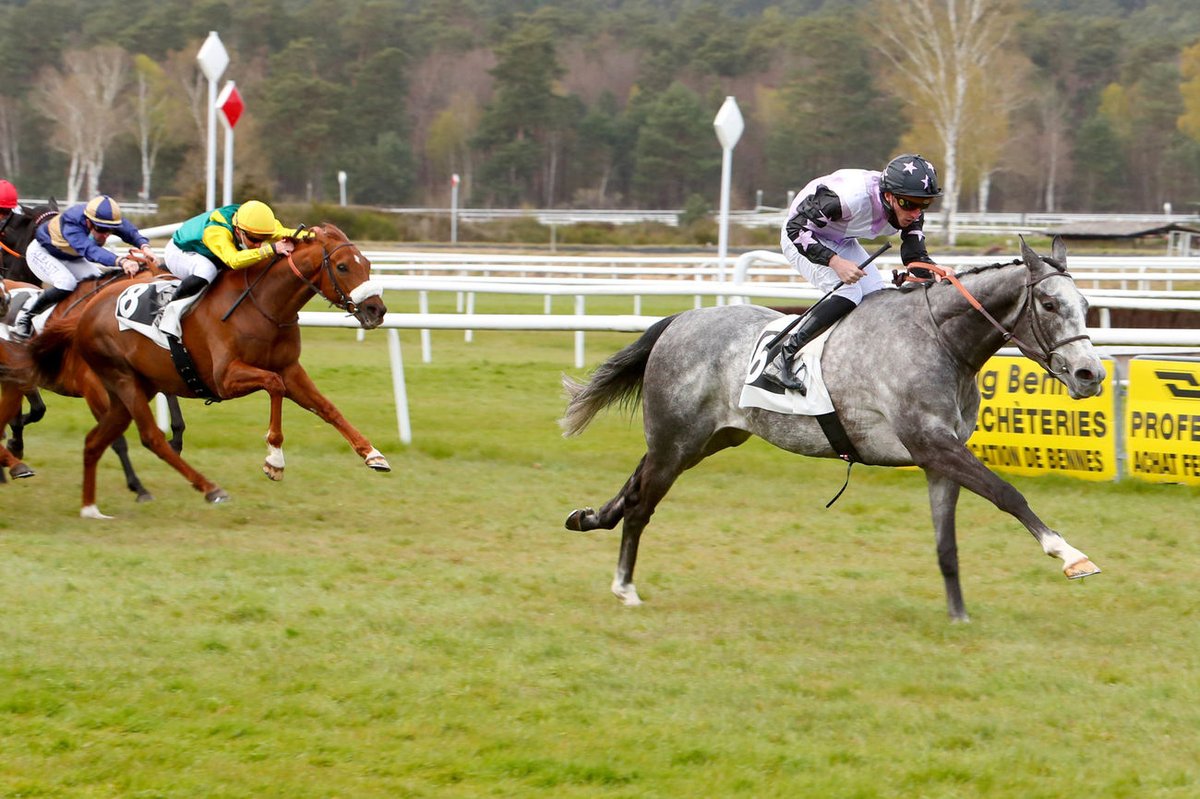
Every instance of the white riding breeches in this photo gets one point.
(61, 273)
(825, 279)
(183, 263)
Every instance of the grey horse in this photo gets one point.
(900, 371)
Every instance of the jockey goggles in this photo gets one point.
(913, 204)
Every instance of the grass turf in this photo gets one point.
(435, 632)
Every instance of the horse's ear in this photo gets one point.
(53, 203)
(1027, 254)
(1058, 251)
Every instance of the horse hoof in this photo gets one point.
(21, 471)
(216, 495)
(273, 472)
(376, 461)
(575, 520)
(1080, 568)
(144, 496)
(627, 594)
(91, 512)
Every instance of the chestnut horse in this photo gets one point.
(242, 335)
(14, 371)
(16, 232)
(78, 381)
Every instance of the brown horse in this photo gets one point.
(242, 336)
(78, 381)
(15, 372)
(16, 232)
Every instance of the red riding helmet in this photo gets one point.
(8, 195)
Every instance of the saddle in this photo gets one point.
(759, 392)
(140, 308)
(814, 400)
(18, 299)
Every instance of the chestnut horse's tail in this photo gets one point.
(49, 350)
(617, 380)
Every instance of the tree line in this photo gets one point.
(1033, 105)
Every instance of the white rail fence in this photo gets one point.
(756, 274)
(1141, 273)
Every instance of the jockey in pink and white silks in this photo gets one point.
(820, 239)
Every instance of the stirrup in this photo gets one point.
(22, 328)
(786, 377)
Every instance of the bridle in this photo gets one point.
(1047, 350)
(343, 300)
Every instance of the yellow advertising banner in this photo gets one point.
(1028, 423)
(1162, 420)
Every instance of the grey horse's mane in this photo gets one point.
(987, 268)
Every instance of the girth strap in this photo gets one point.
(831, 425)
(187, 370)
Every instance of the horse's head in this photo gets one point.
(16, 231)
(344, 275)
(1055, 322)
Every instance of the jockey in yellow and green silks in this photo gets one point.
(233, 237)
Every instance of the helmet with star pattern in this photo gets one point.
(910, 176)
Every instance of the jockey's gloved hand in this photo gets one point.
(920, 270)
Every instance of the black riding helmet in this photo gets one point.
(910, 176)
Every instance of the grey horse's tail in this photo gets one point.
(617, 380)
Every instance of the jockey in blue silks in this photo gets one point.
(69, 247)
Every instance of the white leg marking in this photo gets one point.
(91, 512)
(1056, 546)
(274, 457)
(626, 592)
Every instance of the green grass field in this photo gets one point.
(435, 632)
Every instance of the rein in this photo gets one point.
(4, 245)
(101, 282)
(1043, 357)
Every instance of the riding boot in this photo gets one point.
(818, 319)
(23, 327)
(172, 313)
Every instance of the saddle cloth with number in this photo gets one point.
(140, 306)
(759, 392)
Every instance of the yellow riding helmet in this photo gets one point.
(256, 218)
(103, 212)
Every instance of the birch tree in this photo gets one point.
(941, 53)
(150, 116)
(82, 102)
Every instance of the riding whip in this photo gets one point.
(777, 343)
